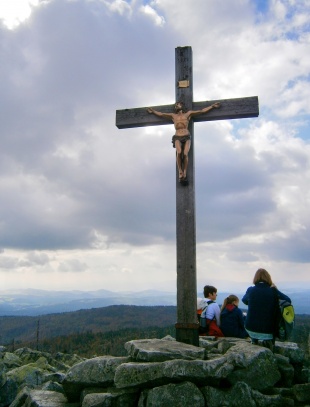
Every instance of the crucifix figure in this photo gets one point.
(187, 324)
(182, 139)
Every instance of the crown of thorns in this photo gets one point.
(178, 103)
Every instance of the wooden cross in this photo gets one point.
(187, 325)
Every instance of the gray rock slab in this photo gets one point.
(263, 400)
(121, 399)
(98, 400)
(45, 398)
(21, 397)
(302, 392)
(28, 355)
(27, 375)
(240, 395)
(286, 370)
(210, 342)
(68, 359)
(290, 350)
(53, 386)
(254, 365)
(11, 360)
(119, 396)
(95, 372)
(160, 350)
(183, 394)
(159, 373)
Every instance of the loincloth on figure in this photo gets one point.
(181, 139)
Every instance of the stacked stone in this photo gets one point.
(160, 372)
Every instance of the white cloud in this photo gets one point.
(149, 11)
(72, 265)
(118, 6)
(14, 12)
(126, 270)
(85, 205)
(38, 258)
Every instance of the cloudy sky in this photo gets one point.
(87, 206)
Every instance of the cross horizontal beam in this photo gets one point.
(237, 108)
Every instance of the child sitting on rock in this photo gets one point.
(210, 316)
(232, 319)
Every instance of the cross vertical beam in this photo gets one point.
(186, 326)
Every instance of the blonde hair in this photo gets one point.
(229, 300)
(263, 276)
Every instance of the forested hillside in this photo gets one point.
(93, 320)
(102, 331)
(91, 344)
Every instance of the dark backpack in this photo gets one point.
(285, 320)
(202, 318)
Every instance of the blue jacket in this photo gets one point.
(263, 303)
(232, 322)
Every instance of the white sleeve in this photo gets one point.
(213, 310)
(202, 303)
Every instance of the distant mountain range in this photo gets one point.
(31, 302)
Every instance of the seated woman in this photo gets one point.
(262, 300)
(232, 320)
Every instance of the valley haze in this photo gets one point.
(33, 302)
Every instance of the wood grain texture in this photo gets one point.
(238, 108)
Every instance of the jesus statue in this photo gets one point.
(182, 139)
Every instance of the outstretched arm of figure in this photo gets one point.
(204, 110)
(159, 114)
(245, 298)
(283, 296)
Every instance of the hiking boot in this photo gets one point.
(254, 341)
(268, 344)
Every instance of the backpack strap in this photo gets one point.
(204, 309)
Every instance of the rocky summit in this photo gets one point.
(159, 373)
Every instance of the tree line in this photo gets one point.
(104, 331)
